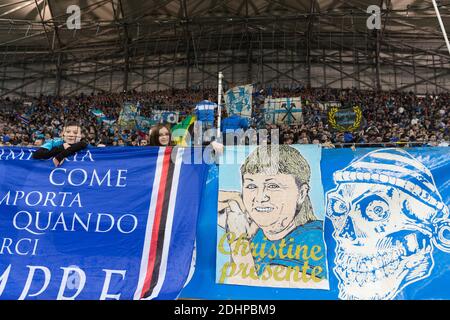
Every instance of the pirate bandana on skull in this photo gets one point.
(388, 217)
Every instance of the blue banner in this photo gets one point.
(111, 223)
(144, 123)
(238, 100)
(387, 229)
(164, 116)
(388, 224)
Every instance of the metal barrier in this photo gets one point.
(402, 144)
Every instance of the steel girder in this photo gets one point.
(191, 39)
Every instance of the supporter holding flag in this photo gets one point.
(205, 112)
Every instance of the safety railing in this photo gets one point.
(400, 144)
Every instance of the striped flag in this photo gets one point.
(23, 118)
(165, 265)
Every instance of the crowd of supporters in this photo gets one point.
(389, 118)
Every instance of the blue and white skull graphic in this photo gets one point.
(388, 217)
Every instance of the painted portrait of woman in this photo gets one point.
(274, 237)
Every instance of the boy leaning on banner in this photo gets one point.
(61, 148)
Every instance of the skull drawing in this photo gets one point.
(388, 217)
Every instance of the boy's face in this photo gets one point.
(72, 134)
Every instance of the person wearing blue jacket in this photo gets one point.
(61, 148)
(205, 113)
(234, 122)
(230, 125)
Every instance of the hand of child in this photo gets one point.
(218, 148)
(66, 145)
(57, 163)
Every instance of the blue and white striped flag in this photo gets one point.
(24, 118)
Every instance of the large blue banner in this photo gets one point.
(388, 225)
(111, 223)
(387, 229)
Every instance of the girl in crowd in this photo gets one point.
(160, 136)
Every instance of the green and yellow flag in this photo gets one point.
(181, 130)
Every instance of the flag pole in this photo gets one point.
(219, 101)
(438, 14)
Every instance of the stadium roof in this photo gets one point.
(120, 35)
(39, 25)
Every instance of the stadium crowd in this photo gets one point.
(389, 118)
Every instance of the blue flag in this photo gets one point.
(24, 118)
(238, 100)
(386, 228)
(111, 223)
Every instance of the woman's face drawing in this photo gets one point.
(270, 200)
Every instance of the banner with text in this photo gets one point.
(345, 119)
(111, 223)
(270, 218)
(386, 226)
(283, 111)
(164, 116)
